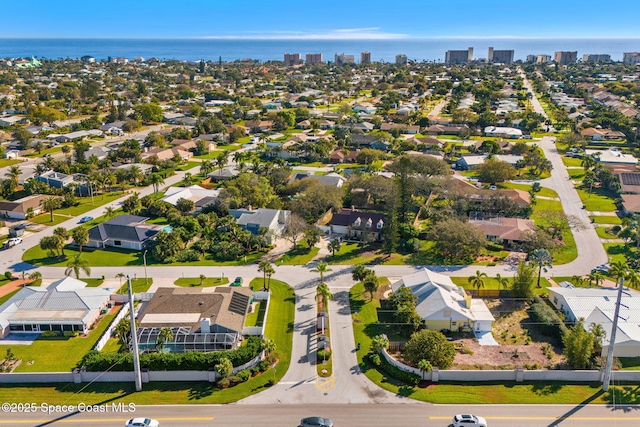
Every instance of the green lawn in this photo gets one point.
(561, 254)
(576, 174)
(364, 319)
(569, 279)
(359, 253)
(112, 346)
(544, 191)
(602, 233)
(256, 317)
(93, 283)
(85, 205)
(187, 166)
(9, 295)
(9, 162)
(492, 284)
(298, 256)
(606, 220)
(4, 281)
(616, 252)
(571, 161)
(195, 282)
(598, 200)
(137, 286)
(56, 354)
(114, 257)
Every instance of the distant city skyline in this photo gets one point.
(333, 20)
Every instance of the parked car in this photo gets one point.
(12, 242)
(237, 282)
(602, 268)
(316, 422)
(86, 219)
(20, 226)
(468, 420)
(142, 422)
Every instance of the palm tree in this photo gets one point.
(588, 162)
(202, 279)
(63, 234)
(35, 276)
(206, 167)
(268, 345)
(50, 204)
(424, 366)
(156, 180)
(596, 278)
(13, 174)
(77, 264)
(334, 246)
(578, 280)
(321, 268)
(326, 295)
(109, 212)
(543, 258)
(120, 276)
(502, 281)
(633, 279)
(618, 269)
(80, 237)
(222, 160)
(135, 174)
(267, 269)
(477, 281)
(165, 335)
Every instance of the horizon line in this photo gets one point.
(335, 37)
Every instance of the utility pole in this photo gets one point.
(134, 340)
(612, 340)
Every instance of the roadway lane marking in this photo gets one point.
(325, 384)
(99, 420)
(570, 418)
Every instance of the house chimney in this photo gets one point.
(467, 300)
(205, 325)
(353, 208)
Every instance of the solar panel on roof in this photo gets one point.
(239, 303)
(629, 178)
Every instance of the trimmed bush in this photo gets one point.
(95, 361)
(224, 382)
(50, 334)
(71, 334)
(374, 358)
(547, 319)
(324, 354)
(244, 375)
(397, 373)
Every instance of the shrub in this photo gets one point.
(271, 381)
(264, 365)
(406, 377)
(71, 334)
(244, 375)
(8, 275)
(324, 354)
(375, 359)
(224, 382)
(431, 346)
(548, 320)
(235, 379)
(50, 334)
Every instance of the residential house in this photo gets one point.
(55, 179)
(427, 143)
(595, 134)
(78, 135)
(365, 108)
(10, 121)
(597, 305)
(173, 118)
(443, 305)
(402, 128)
(339, 156)
(114, 128)
(471, 161)
(65, 305)
(451, 129)
(613, 158)
(22, 208)
(259, 125)
(160, 154)
(12, 154)
(275, 220)
(631, 204)
(506, 231)
(224, 174)
(124, 231)
(332, 179)
(201, 197)
(357, 225)
(202, 319)
(503, 132)
(629, 181)
(363, 126)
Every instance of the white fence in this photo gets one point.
(516, 375)
(259, 330)
(109, 332)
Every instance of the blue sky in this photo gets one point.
(328, 19)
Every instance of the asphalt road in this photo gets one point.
(419, 415)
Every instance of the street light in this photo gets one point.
(144, 260)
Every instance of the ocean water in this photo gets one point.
(426, 49)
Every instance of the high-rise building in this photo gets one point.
(631, 58)
(454, 57)
(401, 59)
(596, 57)
(365, 58)
(565, 57)
(344, 59)
(500, 56)
(291, 59)
(313, 58)
(538, 59)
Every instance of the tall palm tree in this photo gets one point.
(334, 246)
(13, 174)
(633, 279)
(77, 264)
(120, 276)
(165, 335)
(266, 268)
(156, 180)
(321, 268)
(50, 204)
(109, 212)
(35, 276)
(63, 234)
(588, 162)
(502, 281)
(80, 237)
(206, 167)
(618, 269)
(325, 294)
(135, 174)
(477, 281)
(578, 280)
(424, 366)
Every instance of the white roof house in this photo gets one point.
(612, 156)
(444, 305)
(505, 132)
(198, 195)
(65, 305)
(597, 305)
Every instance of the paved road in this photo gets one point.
(383, 415)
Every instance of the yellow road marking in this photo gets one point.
(100, 420)
(325, 384)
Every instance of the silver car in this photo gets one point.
(468, 420)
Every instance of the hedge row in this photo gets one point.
(94, 361)
(548, 320)
(397, 373)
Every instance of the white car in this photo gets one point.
(468, 420)
(13, 241)
(142, 422)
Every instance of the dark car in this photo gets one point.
(316, 422)
(86, 219)
(237, 282)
